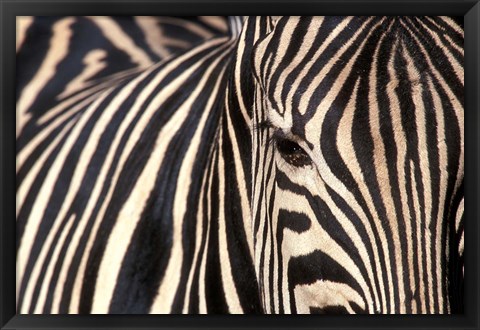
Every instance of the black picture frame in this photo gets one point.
(9, 9)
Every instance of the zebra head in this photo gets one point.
(357, 163)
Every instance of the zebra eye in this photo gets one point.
(293, 153)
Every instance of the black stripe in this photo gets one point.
(214, 291)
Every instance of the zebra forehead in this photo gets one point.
(296, 43)
(308, 65)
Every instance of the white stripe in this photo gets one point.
(114, 33)
(23, 23)
(58, 50)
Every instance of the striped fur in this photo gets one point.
(133, 173)
(377, 105)
(153, 179)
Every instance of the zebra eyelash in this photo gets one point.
(291, 152)
(263, 125)
(273, 137)
(266, 125)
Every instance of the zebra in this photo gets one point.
(110, 130)
(365, 175)
(282, 165)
